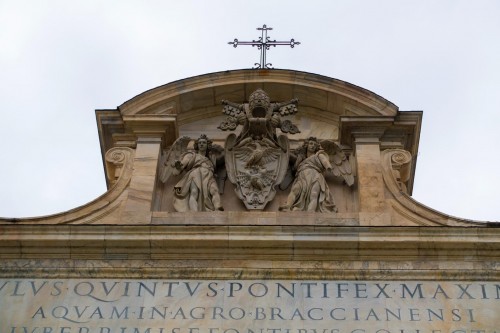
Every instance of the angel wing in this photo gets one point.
(340, 164)
(289, 176)
(287, 180)
(178, 148)
(220, 170)
(217, 150)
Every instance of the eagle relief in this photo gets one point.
(257, 161)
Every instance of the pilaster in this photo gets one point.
(373, 209)
(142, 184)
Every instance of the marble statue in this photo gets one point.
(310, 190)
(198, 189)
(257, 159)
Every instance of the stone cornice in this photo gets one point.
(238, 77)
(399, 132)
(260, 251)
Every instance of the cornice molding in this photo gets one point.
(289, 252)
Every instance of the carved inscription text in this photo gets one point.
(249, 306)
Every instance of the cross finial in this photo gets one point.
(263, 44)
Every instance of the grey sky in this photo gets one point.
(60, 60)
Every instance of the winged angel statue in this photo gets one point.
(309, 190)
(198, 189)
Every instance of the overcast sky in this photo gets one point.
(61, 60)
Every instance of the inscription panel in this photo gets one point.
(249, 306)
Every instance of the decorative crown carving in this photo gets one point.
(259, 100)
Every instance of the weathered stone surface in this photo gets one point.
(438, 273)
(365, 124)
(103, 305)
(208, 250)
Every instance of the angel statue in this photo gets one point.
(198, 189)
(310, 191)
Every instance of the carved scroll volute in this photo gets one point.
(400, 164)
(116, 159)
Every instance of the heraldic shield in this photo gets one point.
(257, 159)
(256, 167)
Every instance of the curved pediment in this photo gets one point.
(189, 105)
(205, 92)
(364, 129)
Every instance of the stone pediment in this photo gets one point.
(258, 193)
(205, 92)
(196, 99)
(377, 141)
(226, 185)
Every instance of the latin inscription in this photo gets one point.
(249, 306)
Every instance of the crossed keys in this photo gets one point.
(264, 44)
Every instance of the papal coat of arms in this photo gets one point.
(257, 159)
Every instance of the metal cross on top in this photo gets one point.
(263, 44)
